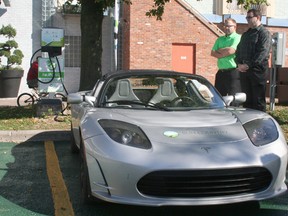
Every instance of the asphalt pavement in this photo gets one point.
(30, 135)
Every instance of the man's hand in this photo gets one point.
(242, 67)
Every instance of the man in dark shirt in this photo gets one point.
(252, 56)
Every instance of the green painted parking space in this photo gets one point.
(8, 207)
(27, 189)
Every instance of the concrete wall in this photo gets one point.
(208, 7)
(71, 26)
(203, 6)
(26, 19)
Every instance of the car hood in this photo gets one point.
(197, 126)
(199, 118)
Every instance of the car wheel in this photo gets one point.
(73, 147)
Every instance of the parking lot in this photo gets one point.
(43, 178)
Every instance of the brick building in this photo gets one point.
(149, 43)
(154, 44)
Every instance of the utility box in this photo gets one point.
(282, 76)
(282, 94)
(282, 85)
(279, 48)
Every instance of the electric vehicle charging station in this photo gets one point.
(278, 60)
(51, 70)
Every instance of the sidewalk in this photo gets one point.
(30, 135)
(8, 101)
(19, 136)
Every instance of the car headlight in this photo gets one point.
(261, 131)
(125, 133)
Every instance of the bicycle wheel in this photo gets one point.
(25, 99)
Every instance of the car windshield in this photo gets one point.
(171, 93)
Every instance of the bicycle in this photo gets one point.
(26, 99)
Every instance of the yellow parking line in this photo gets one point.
(61, 199)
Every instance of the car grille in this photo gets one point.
(205, 183)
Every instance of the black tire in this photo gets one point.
(73, 147)
(25, 99)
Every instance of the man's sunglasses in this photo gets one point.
(249, 17)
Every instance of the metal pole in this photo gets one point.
(273, 74)
(116, 27)
(272, 87)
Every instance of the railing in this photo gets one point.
(71, 9)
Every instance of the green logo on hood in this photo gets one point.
(171, 134)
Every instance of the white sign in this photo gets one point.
(50, 80)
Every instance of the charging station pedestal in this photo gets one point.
(51, 71)
(49, 107)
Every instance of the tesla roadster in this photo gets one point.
(154, 138)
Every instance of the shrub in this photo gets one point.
(9, 49)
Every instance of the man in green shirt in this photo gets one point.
(227, 80)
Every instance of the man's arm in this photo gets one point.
(216, 54)
(223, 52)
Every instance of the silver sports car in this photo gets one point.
(149, 137)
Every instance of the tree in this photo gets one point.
(91, 41)
(91, 37)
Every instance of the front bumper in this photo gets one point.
(115, 172)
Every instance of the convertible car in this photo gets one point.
(154, 138)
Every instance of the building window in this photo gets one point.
(72, 51)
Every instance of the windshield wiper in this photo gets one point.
(128, 102)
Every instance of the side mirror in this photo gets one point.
(238, 98)
(76, 98)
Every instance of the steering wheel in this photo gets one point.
(186, 101)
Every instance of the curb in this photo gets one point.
(34, 135)
(8, 101)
